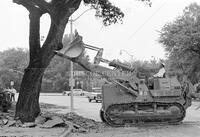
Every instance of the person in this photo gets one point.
(161, 72)
(13, 92)
(197, 87)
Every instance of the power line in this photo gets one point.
(141, 26)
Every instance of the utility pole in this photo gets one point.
(71, 70)
(72, 81)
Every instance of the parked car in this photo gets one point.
(85, 93)
(66, 92)
(96, 95)
(76, 92)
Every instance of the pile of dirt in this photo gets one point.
(7, 118)
(82, 124)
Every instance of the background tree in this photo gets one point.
(15, 59)
(12, 63)
(27, 107)
(181, 40)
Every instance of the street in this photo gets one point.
(81, 105)
(91, 109)
(190, 127)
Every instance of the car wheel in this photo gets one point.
(102, 115)
(89, 99)
(68, 94)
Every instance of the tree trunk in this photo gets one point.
(28, 102)
(27, 108)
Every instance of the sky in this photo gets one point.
(136, 38)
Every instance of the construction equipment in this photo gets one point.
(127, 99)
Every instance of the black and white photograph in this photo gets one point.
(100, 68)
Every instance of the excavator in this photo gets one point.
(126, 97)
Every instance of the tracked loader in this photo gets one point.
(127, 98)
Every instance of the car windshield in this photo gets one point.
(77, 89)
(97, 90)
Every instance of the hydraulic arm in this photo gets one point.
(74, 52)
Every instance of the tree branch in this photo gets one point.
(197, 52)
(41, 5)
(53, 40)
(72, 4)
(34, 36)
(24, 3)
(62, 11)
(66, 6)
(44, 5)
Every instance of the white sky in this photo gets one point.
(137, 35)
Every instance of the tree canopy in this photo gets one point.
(181, 40)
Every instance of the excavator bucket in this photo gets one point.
(72, 50)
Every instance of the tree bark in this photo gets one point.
(27, 108)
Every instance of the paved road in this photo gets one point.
(81, 105)
(91, 109)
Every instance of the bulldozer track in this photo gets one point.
(113, 118)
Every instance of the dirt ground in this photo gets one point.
(80, 124)
(30, 132)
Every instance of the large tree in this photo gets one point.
(27, 107)
(181, 39)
